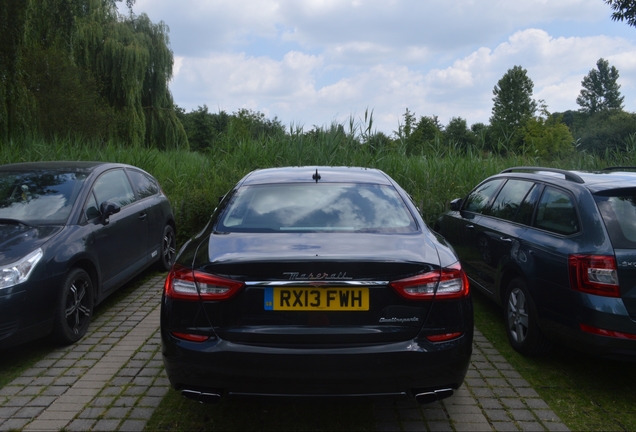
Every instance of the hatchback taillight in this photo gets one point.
(187, 284)
(448, 283)
(594, 274)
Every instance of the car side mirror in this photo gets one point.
(456, 204)
(107, 209)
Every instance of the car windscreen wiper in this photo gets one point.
(7, 221)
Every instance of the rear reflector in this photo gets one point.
(609, 333)
(448, 283)
(190, 337)
(594, 274)
(187, 284)
(444, 337)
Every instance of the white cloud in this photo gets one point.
(314, 61)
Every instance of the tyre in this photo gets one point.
(522, 327)
(74, 308)
(168, 249)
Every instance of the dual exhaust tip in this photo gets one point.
(420, 397)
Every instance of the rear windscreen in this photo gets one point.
(317, 207)
(619, 214)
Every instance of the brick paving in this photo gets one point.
(113, 379)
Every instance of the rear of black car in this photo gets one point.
(300, 287)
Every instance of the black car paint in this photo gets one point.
(314, 353)
(109, 254)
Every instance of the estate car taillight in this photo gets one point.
(448, 283)
(594, 274)
(187, 284)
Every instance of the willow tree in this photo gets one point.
(96, 63)
(131, 58)
(16, 105)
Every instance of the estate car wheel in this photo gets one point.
(521, 321)
(168, 249)
(75, 307)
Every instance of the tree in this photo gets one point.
(426, 131)
(457, 134)
(624, 10)
(513, 106)
(80, 67)
(600, 89)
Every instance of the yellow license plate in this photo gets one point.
(317, 299)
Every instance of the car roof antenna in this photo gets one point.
(316, 176)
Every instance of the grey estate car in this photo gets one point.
(556, 249)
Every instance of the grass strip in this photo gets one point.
(586, 392)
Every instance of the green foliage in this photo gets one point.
(547, 136)
(607, 131)
(109, 73)
(600, 89)
(513, 106)
(624, 10)
(426, 131)
(457, 133)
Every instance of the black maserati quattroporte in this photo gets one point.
(316, 282)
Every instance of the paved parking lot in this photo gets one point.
(113, 379)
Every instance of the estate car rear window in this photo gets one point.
(317, 207)
(556, 212)
(618, 208)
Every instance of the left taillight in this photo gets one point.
(186, 284)
(448, 283)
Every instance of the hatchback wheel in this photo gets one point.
(168, 249)
(75, 307)
(521, 321)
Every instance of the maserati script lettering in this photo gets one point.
(317, 276)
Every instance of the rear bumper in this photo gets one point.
(599, 326)
(401, 368)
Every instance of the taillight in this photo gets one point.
(187, 284)
(448, 283)
(594, 274)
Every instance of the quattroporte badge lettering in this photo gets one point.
(319, 299)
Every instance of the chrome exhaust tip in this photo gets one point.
(433, 396)
(203, 397)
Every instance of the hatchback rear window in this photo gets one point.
(317, 207)
(619, 214)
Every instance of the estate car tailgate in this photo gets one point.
(626, 263)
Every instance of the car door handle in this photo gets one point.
(470, 226)
(143, 216)
(505, 239)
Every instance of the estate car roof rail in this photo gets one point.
(569, 175)
(620, 168)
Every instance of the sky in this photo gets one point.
(310, 63)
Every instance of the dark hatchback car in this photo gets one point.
(70, 234)
(557, 249)
(316, 282)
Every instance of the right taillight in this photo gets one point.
(186, 284)
(594, 274)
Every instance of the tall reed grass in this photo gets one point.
(194, 181)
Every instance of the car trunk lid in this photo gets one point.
(313, 291)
